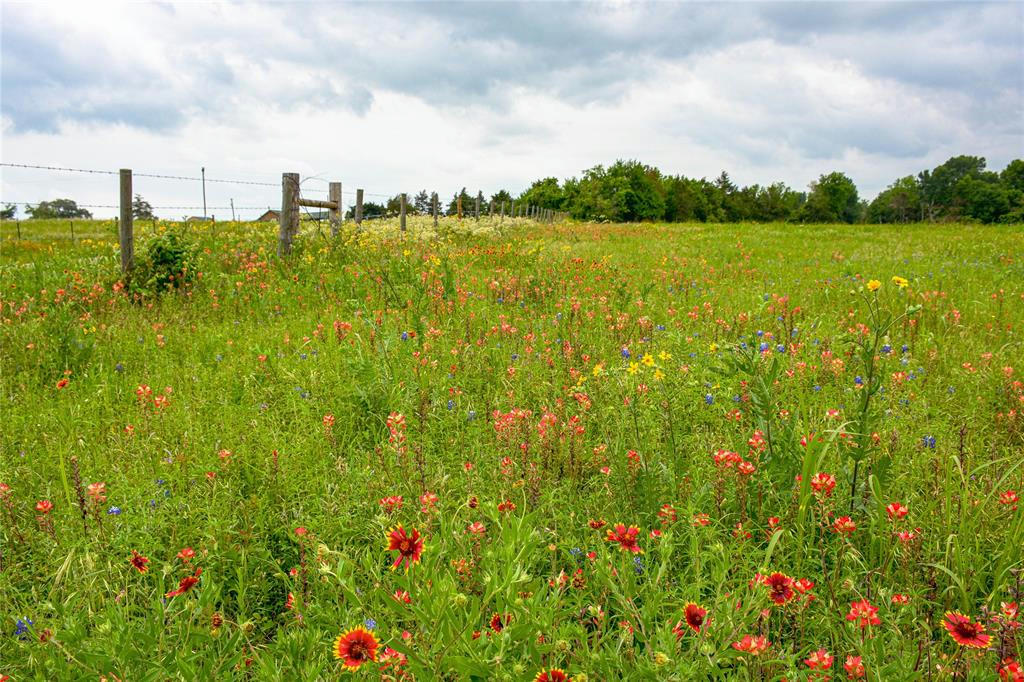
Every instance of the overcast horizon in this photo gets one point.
(437, 96)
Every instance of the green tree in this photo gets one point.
(141, 208)
(833, 199)
(1012, 176)
(421, 203)
(8, 211)
(499, 197)
(58, 208)
(467, 203)
(982, 199)
(898, 203)
(544, 193)
(938, 185)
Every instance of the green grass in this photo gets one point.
(455, 330)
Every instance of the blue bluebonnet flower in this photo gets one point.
(370, 623)
(928, 442)
(709, 399)
(114, 511)
(763, 347)
(625, 352)
(22, 626)
(780, 348)
(816, 388)
(886, 349)
(858, 380)
(119, 367)
(451, 404)
(405, 336)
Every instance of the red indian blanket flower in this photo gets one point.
(551, 675)
(695, 618)
(499, 621)
(185, 584)
(626, 537)
(854, 667)
(965, 632)
(355, 647)
(781, 586)
(863, 613)
(139, 562)
(408, 546)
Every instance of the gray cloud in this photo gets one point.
(907, 79)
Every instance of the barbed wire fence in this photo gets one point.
(295, 195)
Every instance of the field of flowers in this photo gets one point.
(514, 452)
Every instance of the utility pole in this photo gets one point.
(203, 171)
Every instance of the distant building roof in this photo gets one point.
(270, 215)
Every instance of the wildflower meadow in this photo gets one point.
(512, 451)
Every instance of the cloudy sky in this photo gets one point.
(400, 97)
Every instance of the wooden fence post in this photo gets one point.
(334, 194)
(72, 224)
(512, 211)
(401, 211)
(476, 208)
(459, 202)
(359, 208)
(490, 208)
(503, 211)
(125, 226)
(289, 218)
(433, 202)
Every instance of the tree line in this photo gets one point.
(961, 189)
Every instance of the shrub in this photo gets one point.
(168, 263)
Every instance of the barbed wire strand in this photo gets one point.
(138, 175)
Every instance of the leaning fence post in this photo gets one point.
(334, 195)
(433, 207)
(125, 225)
(401, 211)
(289, 212)
(476, 207)
(359, 208)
